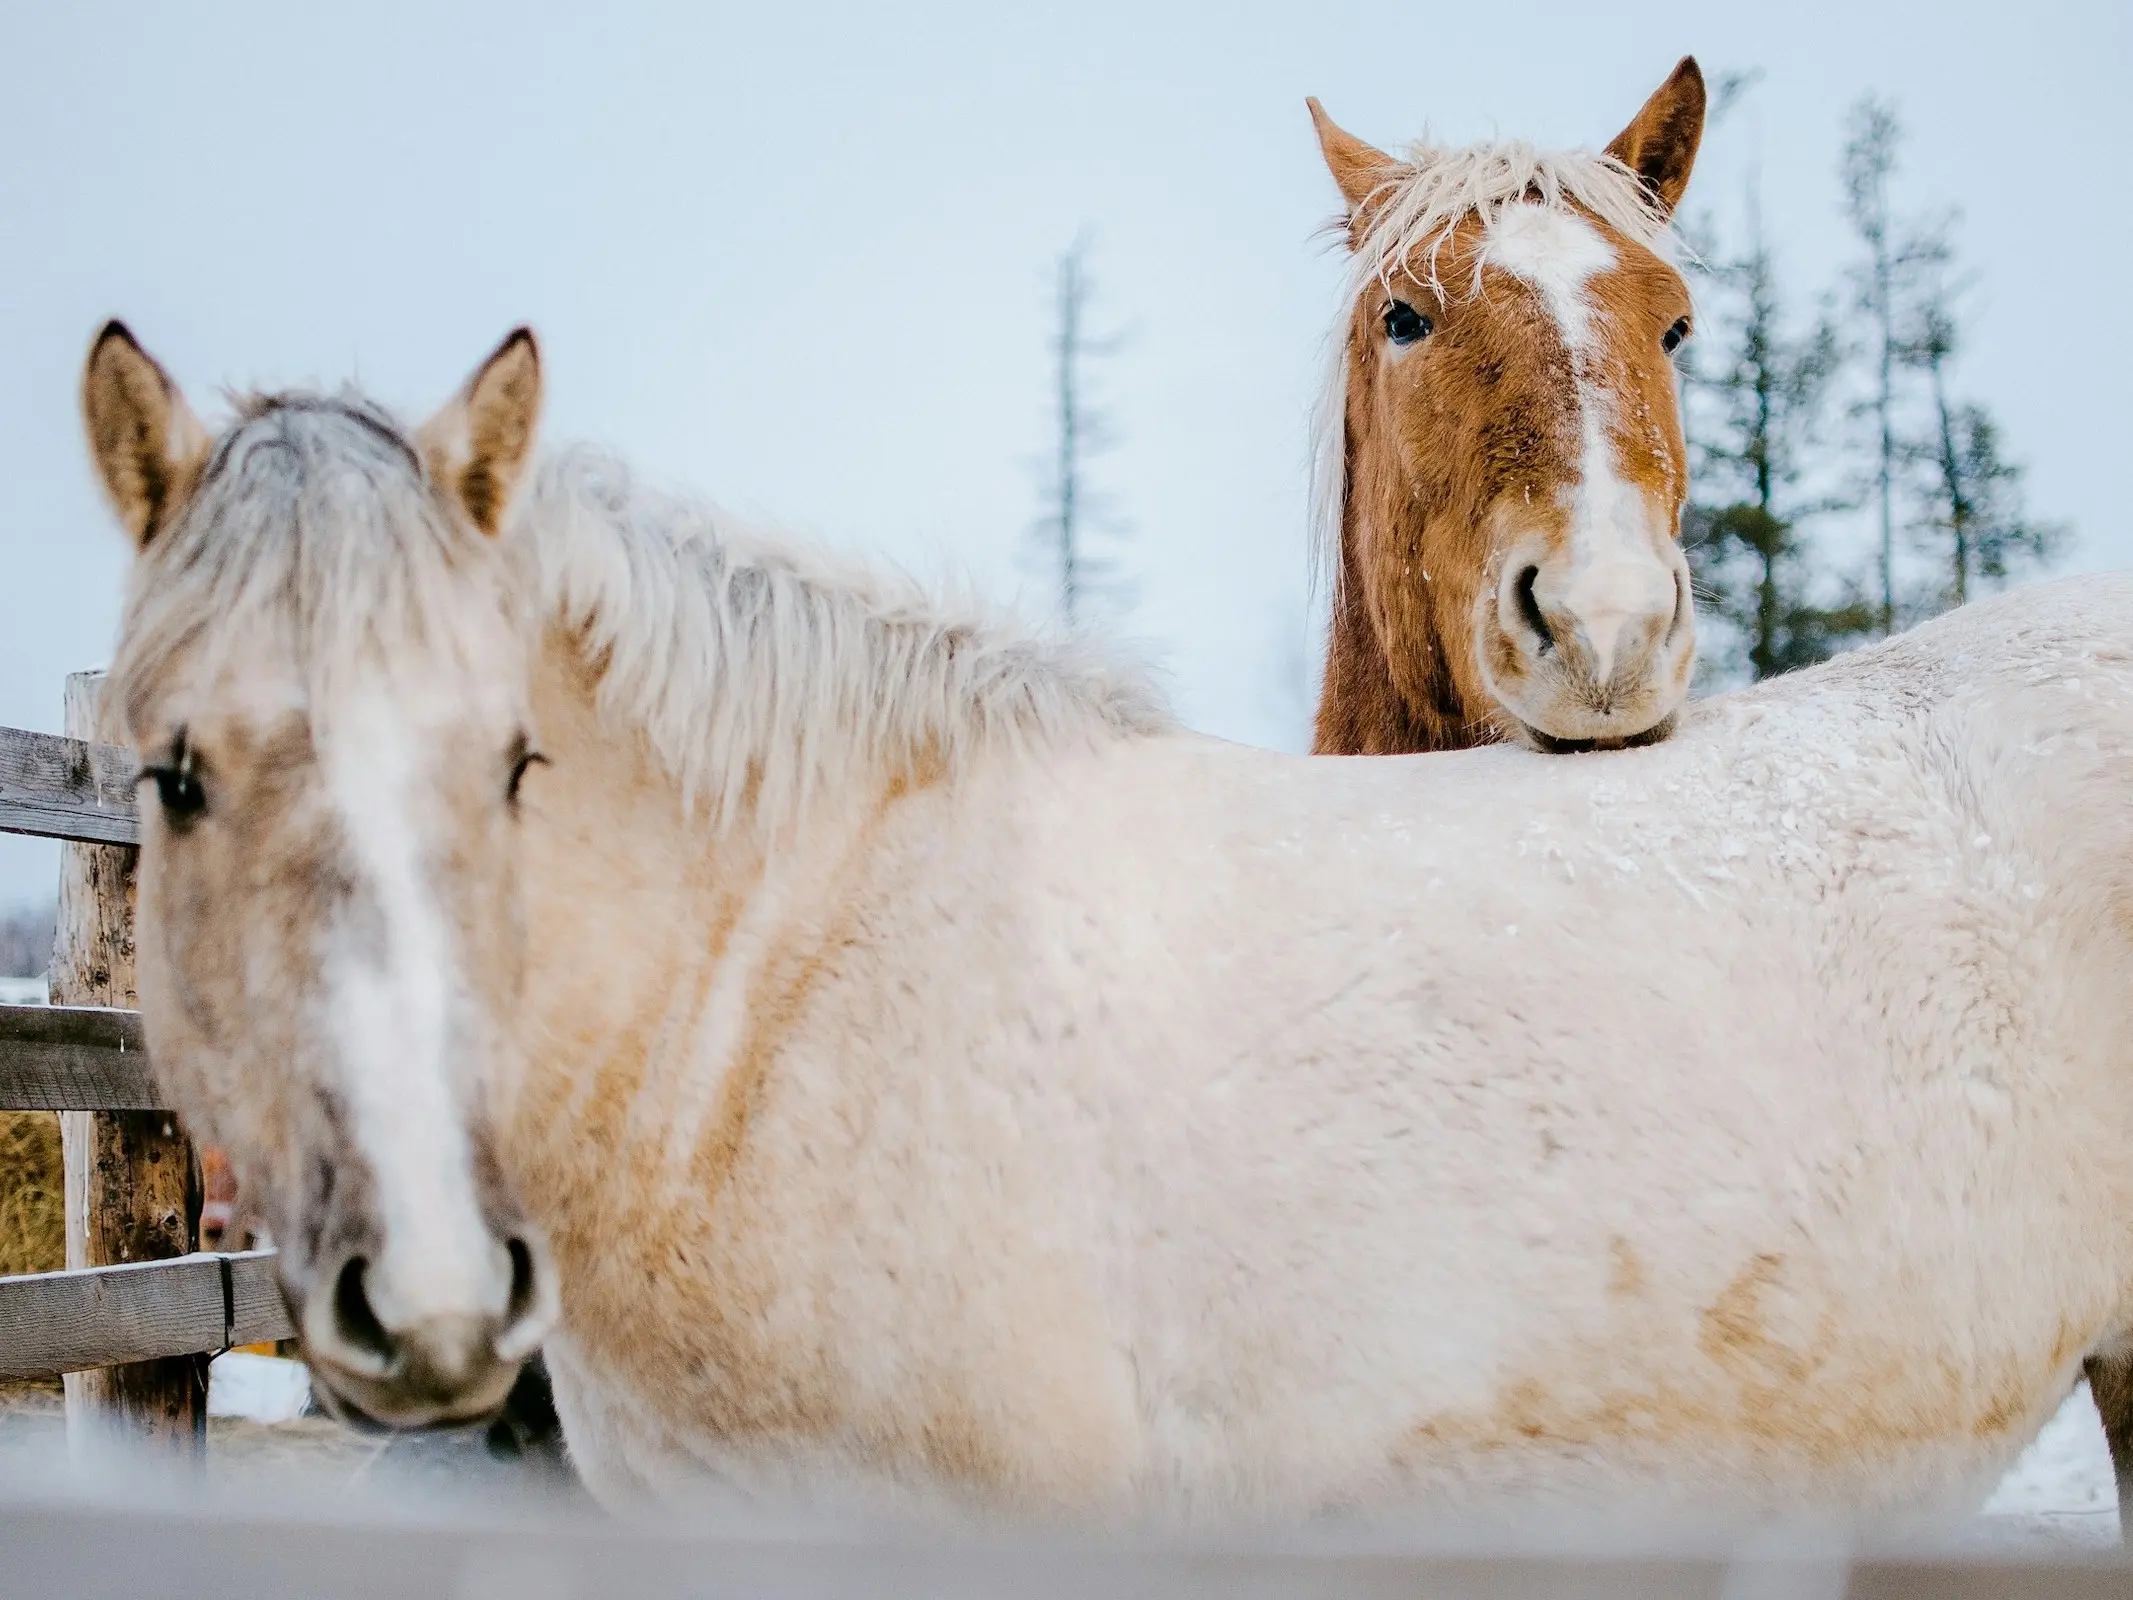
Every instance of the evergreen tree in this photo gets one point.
(1758, 392)
(1970, 515)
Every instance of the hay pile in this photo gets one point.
(33, 1228)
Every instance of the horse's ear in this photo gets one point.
(146, 443)
(1660, 143)
(479, 445)
(1359, 170)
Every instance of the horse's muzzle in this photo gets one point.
(1596, 659)
(431, 1370)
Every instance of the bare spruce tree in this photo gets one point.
(1074, 512)
(1898, 259)
(1759, 392)
(1970, 518)
(1937, 469)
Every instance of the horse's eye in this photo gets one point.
(526, 758)
(1405, 325)
(1670, 341)
(179, 791)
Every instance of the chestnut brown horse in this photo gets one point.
(1501, 467)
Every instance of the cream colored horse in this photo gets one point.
(883, 1058)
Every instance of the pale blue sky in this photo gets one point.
(797, 257)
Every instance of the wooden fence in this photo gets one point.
(133, 1319)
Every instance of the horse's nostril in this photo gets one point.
(524, 1282)
(353, 1318)
(1684, 605)
(1529, 610)
(533, 1306)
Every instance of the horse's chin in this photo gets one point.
(1550, 744)
(368, 1419)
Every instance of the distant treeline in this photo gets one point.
(25, 941)
(1845, 485)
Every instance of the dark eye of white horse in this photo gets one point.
(1670, 341)
(1405, 325)
(178, 786)
(522, 758)
(180, 792)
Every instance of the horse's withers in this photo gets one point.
(344, 1045)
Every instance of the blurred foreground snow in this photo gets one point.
(2060, 1492)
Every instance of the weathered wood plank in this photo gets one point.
(55, 1322)
(133, 1180)
(74, 1058)
(257, 1311)
(66, 789)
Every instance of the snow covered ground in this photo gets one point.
(258, 1388)
(2062, 1488)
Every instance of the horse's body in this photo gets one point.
(1174, 1128)
(942, 1083)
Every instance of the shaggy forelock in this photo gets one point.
(762, 673)
(1422, 197)
(313, 515)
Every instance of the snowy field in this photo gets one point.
(2061, 1489)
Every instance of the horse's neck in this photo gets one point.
(1363, 710)
(622, 889)
(649, 925)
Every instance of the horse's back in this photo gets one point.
(1584, 1048)
(1351, 1130)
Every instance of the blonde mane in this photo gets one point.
(763, 673)
(1412, 212)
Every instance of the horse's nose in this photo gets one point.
(1593, 650)
(1610, 616)
(428, 1367)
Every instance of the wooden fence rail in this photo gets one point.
(56, 1322)
(74, 1058)
(59, 788)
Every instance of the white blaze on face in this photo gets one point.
(1614, 572)
(388, 979)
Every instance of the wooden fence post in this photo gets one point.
(133, 1180)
